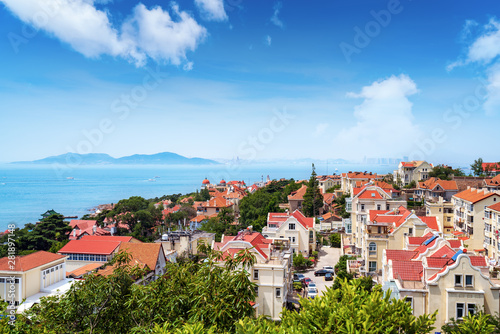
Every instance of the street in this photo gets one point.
(327, 257)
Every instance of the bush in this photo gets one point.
(297, 286)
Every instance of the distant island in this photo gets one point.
(165, 158)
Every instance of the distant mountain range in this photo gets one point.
(165, 158)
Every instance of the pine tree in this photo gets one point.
(313, 200)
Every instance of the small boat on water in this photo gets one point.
(70, 178)
(152, 180)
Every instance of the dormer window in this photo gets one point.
(291, 226)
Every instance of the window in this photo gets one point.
(278, 292)
(410, 231)
(293, 239)
(362, 207)
(86, 257)
(291, 226)
(448, 219)
(469, 280)
(256, 291)
(80, 257)
(460, 310)
(379, 207)
(471, 309)
(387, 207)
(372, 266)
(458, 280)
(255, 274)
(372, 248)
(409, 300)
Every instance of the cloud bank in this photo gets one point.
(146, 34)
(212, 10)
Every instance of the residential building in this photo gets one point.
(213, 206)
(469, 207)
(149, 257)
(443, 211)
(328, 181)
(296, 228)
(492, 184)
(271, 272)
(437, 277)
(390, 230)
(350, 179)
(296, 198)
(412, 171)
(185, 242)
(86, 227)
(491, 233)
(363, 200)
(82, 252)
(434, 188)
(491, 168)
(31, 277)
(328, 222)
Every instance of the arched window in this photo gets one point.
(372, 248)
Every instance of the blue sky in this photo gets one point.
(254, 79)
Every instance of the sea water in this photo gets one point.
(27, 191)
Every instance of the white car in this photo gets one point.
(312, 285)
(312, 293)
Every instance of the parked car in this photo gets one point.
(312, 285)
(298, 278)
(312, 293)
(307, 280)
(328, 267)
(320, 272)
(329, 277)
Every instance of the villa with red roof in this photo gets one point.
(434, 188)
(351, 179)
(438, 276)
(391, 230)
(85, 227)
(364, 200)
(492, 184)
(296, 228)
(469, 209)
(31, 277)
(213, 206)
(83, 252)
(492, 232)
(271, 271)
(409, 171)
(491, 168)
(328, 181)
(296, 198)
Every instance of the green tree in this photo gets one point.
(313, 200)
(335, 240)
(43, 235)
(445, 173)
(478, 323)
(477, 167)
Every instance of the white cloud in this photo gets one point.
(320, 129)
(88, 30)
(275, 19)
(485, 50)
(268, 40)
(188, 66)
(212, 10)
(384, 120)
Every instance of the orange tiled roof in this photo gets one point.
(30, 261)
(433, 182)
(495, 207)
(83, 270)
(299, 194)
(82, 224)
(143, 253)
(491, 166)
(474, 196)
(408, 270)
(303, 220)
(89, 247)
(109, 238)
(399, 254)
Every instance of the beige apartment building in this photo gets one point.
(469, 207)
(271, 271)
(492, 232)
(412, 171)
(443, 211)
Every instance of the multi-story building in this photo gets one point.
(296, 228)
(491, 168)
(328, 181)
(363, 200)
(437, 277)
(271, 271)
(351, 179)
(412, 171)
(492, 184)
(469, 207)
(492, 232)
(185, 242)
(296, 198)
(390, 230)
(434, 188)
(443, 211)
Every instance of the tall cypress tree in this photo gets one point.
(313, 200)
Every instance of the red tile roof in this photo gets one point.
(143, 253)
(82, 224)
(455, 243)
(399, 255)
(417, 240)
(444, 252)
(83, 270)
(437, 262)
(407, 270)
(494, 181)
(299, 194)
(30, 261)
(303, 220)
(491, 166)
(431, 222)
(478, 261)
(109, 238)
(90, 247)
(433, 182)
(495, 207)
(474, 196)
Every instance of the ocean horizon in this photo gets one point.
(27, 191)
